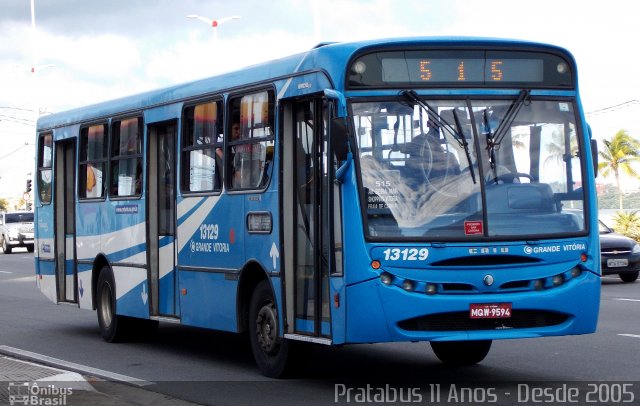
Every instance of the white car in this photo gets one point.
(16, 230)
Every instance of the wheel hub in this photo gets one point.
(267, 328)
(105, 308)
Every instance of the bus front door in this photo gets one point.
(305, 194)
(161, 209)
(65, 204)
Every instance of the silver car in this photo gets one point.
(16, 230)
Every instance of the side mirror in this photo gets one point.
(339, 138)
(594, 157)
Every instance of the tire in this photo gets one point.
(628, 277)
(113, 328)
(270, 351)
(461, 353)
(6, 248)
(30, 248)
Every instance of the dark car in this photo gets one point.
(619, 254)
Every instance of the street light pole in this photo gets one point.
(33, 37)
(34, 66)
(213, 23)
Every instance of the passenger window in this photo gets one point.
(93, 162)
(126, 158)
(251, 144)
(202, 147)
(45, 155)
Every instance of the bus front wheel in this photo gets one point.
(461, 353)
(270, 351)
(112, 326)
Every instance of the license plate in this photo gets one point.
(490, 311)
(617, 262)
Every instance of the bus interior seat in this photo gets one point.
(521, 198)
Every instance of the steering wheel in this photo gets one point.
(510, 177)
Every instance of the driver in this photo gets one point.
(427, 156)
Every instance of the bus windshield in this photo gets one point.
(446, 169)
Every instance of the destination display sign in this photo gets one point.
(431, 68)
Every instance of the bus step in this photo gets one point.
(316, 340)
(166, 319)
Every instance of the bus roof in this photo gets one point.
(328, 57)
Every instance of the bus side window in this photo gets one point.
(126, 158)
(92, 162)
(251, 143)
(202, 147)
(45, 155)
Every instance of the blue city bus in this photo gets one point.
(418, 189)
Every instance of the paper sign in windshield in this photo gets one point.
(473, 227)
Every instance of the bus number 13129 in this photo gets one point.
(406, 254)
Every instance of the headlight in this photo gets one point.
(636, 249)
(13, 233)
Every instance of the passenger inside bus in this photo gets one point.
(247, 160)
(250, 149)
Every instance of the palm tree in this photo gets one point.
(628, 224)
(618, 155)
(556, 148)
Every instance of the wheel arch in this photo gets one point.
(98, 263)
(250, 276)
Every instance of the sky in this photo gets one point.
(91, 51)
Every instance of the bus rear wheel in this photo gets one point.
(461, 353)
(270, 351)
(112, 326)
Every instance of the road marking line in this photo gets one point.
(630, 335)
(626, 300)
(23, 279)
(5, 272)
(55, 362)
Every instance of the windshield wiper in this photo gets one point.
(442, 123)
(495, 138)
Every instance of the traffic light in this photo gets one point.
(28, 189)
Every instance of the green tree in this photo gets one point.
(617, 156)
(4, 204)
(627, 224)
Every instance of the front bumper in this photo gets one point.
(633, 264)
(382, 313)
(22, 240)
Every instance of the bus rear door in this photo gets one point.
(65, 241)
(161, 211)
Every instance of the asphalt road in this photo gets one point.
(210, 367)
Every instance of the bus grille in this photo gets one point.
(460, 321)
